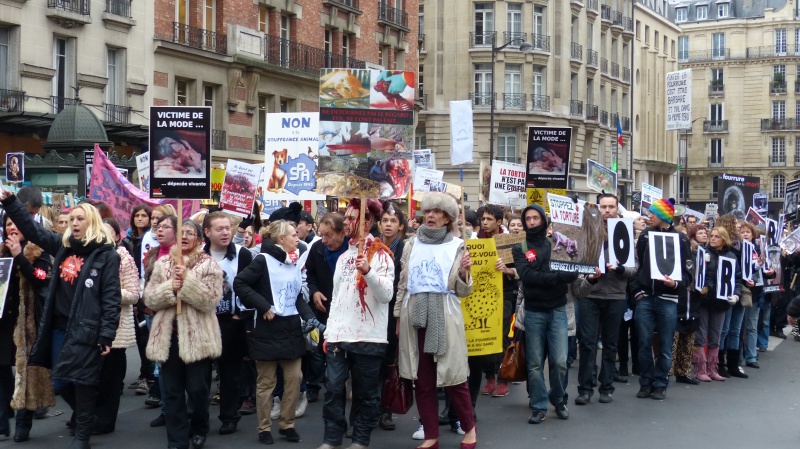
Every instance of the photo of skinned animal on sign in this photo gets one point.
(577, 235)
(180, 152)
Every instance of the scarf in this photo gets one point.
(428, 309)
(333, 256)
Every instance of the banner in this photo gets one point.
(366, 132)
(15, 167)
(483, 308)
(665, 253)
(239, 187)
(621, 247)
(649, 195)
(88, 165)
(291, 152)
(423, 159)
(461, 132)
(508, 184)
(736, 194)
(6, 265)
(143, 168)
(726, 277)
(454, 190)
(600, 178)
(548, 157)
(111, 187)
(790, 201)
(180, 142)
(571, 244)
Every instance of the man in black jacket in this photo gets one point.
(545, 294)
(657, 303)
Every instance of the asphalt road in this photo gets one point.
(760, 412)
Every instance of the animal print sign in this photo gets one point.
(291, 149)
(180, 152)
(239, 188)
(570, 239)
(483, 309)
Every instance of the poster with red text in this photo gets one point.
(239, 188)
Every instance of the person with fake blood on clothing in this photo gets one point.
(355, 339)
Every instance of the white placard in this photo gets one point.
(665, 255)
(726, 277)
(679, 99)
(507, 186)
(461, 138)
(773, 236)
(700, 269)
(564, 210)
(620, 242)
(748, 251)
(143, 168)
(423, 177)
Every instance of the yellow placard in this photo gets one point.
(539, 196)
(483, 309)
(217, 178)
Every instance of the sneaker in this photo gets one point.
(501, 390)
(562, 411)
(142, 387)
(386, 422)
(659, 393)
(276, 407)
(645, 391)
(583, 399)
(248, 407)
(599, 345)
(290, 434)
(536, 417)
(302, 404)
(456, 428)
(419, 434)
(152, 402)
(762, 349)
(605, 398)
(265, 438)
(620, 379)
(489, 388)
(312, 396)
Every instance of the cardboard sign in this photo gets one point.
(483, 308)
(59, 202)
(649, 195)
(754, 217)
(239, 189)
(726, 273)
(621, 246)
(508, 184)
(700, 269)
(600, 178)
(291, 151)
(665, 254)
(143, 168)
(748, 251)
(548, 157)
(539, 196)
(790, 201)
(504, 243)
(180, 152)
(6, 265)
(570, 247)
(15, 167)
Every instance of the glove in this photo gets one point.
(704, 291)
(311, 324)
(620, 269)
(732, 300)
(246, 222)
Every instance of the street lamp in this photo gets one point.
(523, 47)
(683, 161)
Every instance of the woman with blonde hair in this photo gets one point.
(734, 315)
(81, 312)
(183, 290)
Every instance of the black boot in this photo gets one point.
(722, 368)
(85, 399)
(733, 364)
(79, 444)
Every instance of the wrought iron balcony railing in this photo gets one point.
(117, 114)
(576, 108)
(485, 39)
(82, 7)
(392, 15)
(715, 126)
(592, 114)
(199, 38)
(12, 100)
(540, 103)
(591, 58)
(614, 70)
(481, 99)
(540, 42)
(296, 56)
(716, 89)
(778, 124)
(219, 139)
(514, 101)
(59, 103)
(577, 51)
(514, 39)
(119, 7)
(605, 13)
(604, 65)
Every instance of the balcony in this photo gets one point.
(117, 114)
(199, 38)
(605, 13)
(778, 124)
(576, 52)
(219, 139)
(514, 39)
(716, 54)
(604, 118)
(614, 121)
(59, 103)
(614, 70)
(514, 102)
(540, 103)
(591, 58)
(777, 87)
(81, 7)
(296, 56)
(592, 8)
(12, 100)
(481, 99)
(626, 75)
(260, 144)
(716, 89)
(540, 42)
(683, 56)
(715, 126)
(777, 160)
(485, 39)
(626, 124)
(120, 8)
(715, 162)
(350, 5)
(627, 25)
(592, 114)
(773, 51)
(575, 108)
(392, 16)
(797, 86)
(604, 66)
(616, 19)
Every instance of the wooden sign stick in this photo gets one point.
(178, 255)
(463, 215)
(362, 214)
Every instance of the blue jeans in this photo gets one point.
(654, 314)
(766, 312)
(732, 327)
(751, 334)
(546, 335)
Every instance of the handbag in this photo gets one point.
(747, 297)
(397, 395)
(513, 368)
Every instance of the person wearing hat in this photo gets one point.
(545, 296)
(657, 302)
(305, 228)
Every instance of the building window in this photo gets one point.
(421, 83)
(664, 47)
(718, 45)
(638, 28)
(383, 57)
(263, 18)
(714, 192)
(672, 49)
(182, 11)
(778, 186)
(778, 150)
(4, 66)
(507, 144)
(285, 35)
(484, 24)
(779, 69)
(208, 96)
(702, 12)
(538, 22)
(655, 40)
(715, 113)
(796, 154)
(681, 14)
(539, 87)
(209, 15)
(420, 141)
(64, 65)
(647, 35)
(112, 72)
(601, 151)
(261, 126)
(513, 79)
(421, 21)
(716, 152)
(327, 47)
(483, 84)
(722, 10)
(284, 105)
(778, 110)
(514, 21)
(683, 48)
(717, 75)
(346, 45)
(780, 41)
(181, 92)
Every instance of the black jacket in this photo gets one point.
(244, 261)
(281, 338)
(94, 313)
(642, 283)
(710, 299)
(320, 278)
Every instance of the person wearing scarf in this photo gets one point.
(433, 344)
(81, 312)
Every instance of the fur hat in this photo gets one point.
(441, 201)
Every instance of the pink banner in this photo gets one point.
(111, 187)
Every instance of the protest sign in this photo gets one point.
(573, 249)
(143, 168)
(461, 132)
(600, 178)
(548, 157)
(693, 213)
(366, 133)
(754, 217)
(88, 165)
(726, 277)
(748, 251)
(700, 269)
(649, 195)
(790, 201)
(679, 99)
(454, 190)
(483, 308)
(539, 196)
(504, 243)
(6, 265)
(239, 187)
(291, 147)
(423, 159)
(59, 202)
(485, 181)
(15, 167)
(508, 184)
(180, 152)
(773, 233)
(736, 194)
(423, 178)
(792, 242)
(665, 252)
(620, 242)
(773, 261)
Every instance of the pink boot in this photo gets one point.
(699, 362)
(713, 364)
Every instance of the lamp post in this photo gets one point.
(683, 160)
(523, 47)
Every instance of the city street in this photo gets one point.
(760, 412)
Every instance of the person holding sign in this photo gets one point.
(749, 233)
(433, 348)
(81, 312)
(602, 305)
(712, 309)
(185, 343)
(657, 297)
(546, 329)
(734, 315)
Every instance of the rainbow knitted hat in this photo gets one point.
(663, 209)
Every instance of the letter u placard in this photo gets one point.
(664, 249)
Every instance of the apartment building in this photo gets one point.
(745, 60)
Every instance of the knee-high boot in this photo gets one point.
(713, 363)
(733, 364)
(699, 363)
(722, 367)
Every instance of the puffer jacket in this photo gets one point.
(129, 283)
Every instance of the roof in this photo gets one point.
(76, 126)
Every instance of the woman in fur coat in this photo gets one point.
(18, 326)
(192, 282)
(115, 365)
